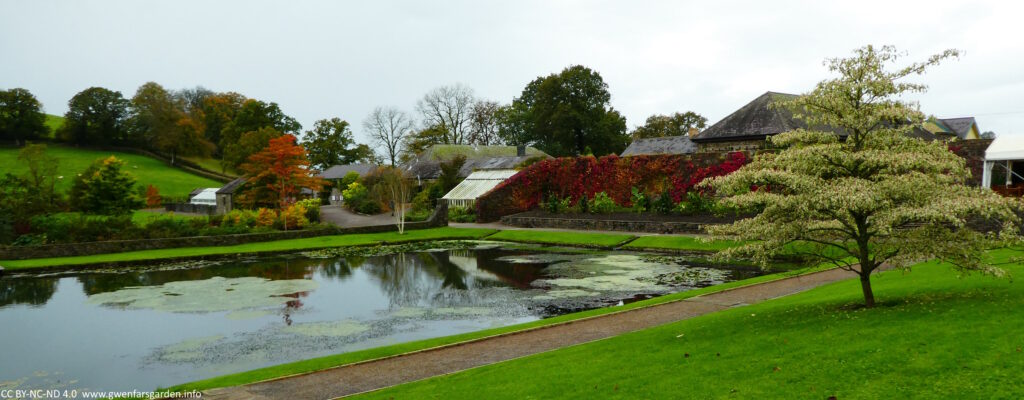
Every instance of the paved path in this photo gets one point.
(339, 216)
(382, 373)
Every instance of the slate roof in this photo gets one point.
(232, 186)
(339, 171)
(756, 121)
(661, 145)
(960, 126)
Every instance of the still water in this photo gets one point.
(160, 326)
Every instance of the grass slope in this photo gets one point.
(934, 335)
(602, 240)
(54, 122)
(321, 363)
(72, 161)
(275, 246)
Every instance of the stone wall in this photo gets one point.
(437, 219)
(205, 209)
(602, 224)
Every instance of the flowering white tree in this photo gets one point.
(869, 195)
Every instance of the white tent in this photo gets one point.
(208, 196)
(1005, 149)
(475, 185)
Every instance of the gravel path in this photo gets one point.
(376, 374)
(339, 216)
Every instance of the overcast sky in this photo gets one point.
(322, 59)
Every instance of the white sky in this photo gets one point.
(322, 59)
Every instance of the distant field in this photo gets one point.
(71, 161)
(212, 164)
(53, 122)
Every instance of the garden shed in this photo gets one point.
(1004, 160)
(475, 185)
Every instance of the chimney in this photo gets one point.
(693, 132)
(521, 150)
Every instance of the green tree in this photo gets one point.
(21, 116)
(96, 116)
(876, 196)
(250, 118)
(248, 144)
(104, 188)
(331, 143)
(41, 177)
(566, 114)
(218, 110)
(14, 200)
(159, 121)
(419, 141)
(677, 124)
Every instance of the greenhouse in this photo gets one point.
(475, 185)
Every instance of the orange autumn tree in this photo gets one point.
(277, 174)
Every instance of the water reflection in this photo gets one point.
(32, 292)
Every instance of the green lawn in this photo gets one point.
(602, 240)
(690, 243)
(275, 246)
(143, 217)
(934, 335)
(321, 363)
(72, 161)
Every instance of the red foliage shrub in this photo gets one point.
(616, 176)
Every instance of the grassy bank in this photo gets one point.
(684, 243)
(147, 171)
(934, 335)
(321, 363)
(259, 247)
(600, 240)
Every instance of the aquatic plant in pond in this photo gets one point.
(214, 294)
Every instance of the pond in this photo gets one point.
(162, 325)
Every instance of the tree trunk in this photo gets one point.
(865, 285)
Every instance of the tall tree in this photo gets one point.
(677, 124)
(96, 116)
(877, 196)
(41, 177)
(218, 110)
(331, 143)
(21, 116)
(256, 114)
(568, 113)
(483, 123)
(415, 143)
(250, 143)
(388, 126)
(159, 121)
(278, 173)
(448, 108)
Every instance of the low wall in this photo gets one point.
(437, 219)
(190, 208)
(603, 224)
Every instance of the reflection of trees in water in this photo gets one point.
(93, 283)
(339, 269)
(34, 291)
(432, 277)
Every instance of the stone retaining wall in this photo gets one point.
(603, 225)
(437, 219)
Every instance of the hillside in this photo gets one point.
(53, 122)
(72, 161)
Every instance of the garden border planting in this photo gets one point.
(438, 218)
